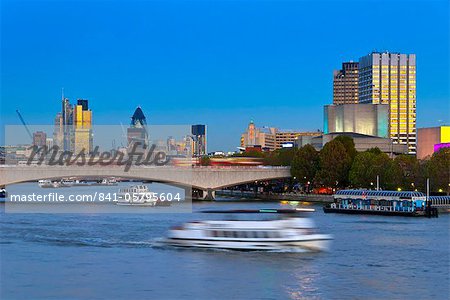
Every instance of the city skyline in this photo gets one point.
(279, 74)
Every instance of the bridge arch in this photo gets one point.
(204, 178)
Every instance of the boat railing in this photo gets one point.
(373, 207)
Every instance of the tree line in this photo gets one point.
(340, 165)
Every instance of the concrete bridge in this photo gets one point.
(203, 178)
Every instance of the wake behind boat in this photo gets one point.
(293, 232)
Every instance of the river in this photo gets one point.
(117, 256)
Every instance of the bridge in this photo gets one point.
(207, 179)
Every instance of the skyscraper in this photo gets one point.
(39, 138)
(67, 122)
(137, 133)
(345, 84)
(58, 131)
(82, 127)
(73, 127)
(390, 78)
(199, 140)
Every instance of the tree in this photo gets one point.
(439, 170)
(334, 165)
(280, 157)
(305, 164)
(366, 166)
(409, 171)
(349, 145)
(286, 155)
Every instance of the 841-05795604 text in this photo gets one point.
(95, 197)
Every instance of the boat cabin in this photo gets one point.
(407, 201)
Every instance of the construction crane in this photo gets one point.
(24, 124)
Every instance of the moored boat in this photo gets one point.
(106, 182)
(138, 195)
(45, 183)
(290, 233)
(387, 203)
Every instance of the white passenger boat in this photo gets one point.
(48, 184)
(80, 183)
(66, 182)
(136, 195)
(290, 233)
(106, 182)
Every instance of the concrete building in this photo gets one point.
(430, 140)
(345, 84)
(264, 137)
(362, 142)
(49, 142)
(270, 138)
(286, 137)
(390, 78)
(367, 119)
(39, 138)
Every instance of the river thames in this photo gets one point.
(117, 256)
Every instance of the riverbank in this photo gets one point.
(275, 197)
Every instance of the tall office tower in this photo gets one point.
(39, 138)
(137, 133)
(390, 78)
(82, 127)
(58, 132)
(345, 84)
(67, 122)
(199, 140)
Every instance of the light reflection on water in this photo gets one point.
(117, 256)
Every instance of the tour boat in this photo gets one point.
(106, 182)
(80, 183)
(291, 233)
(48, 184)
(136, 195)
(66, 183)
(387, 203)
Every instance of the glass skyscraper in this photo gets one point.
(390, 78)
(345, 84)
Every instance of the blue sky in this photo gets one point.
(220, 63)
